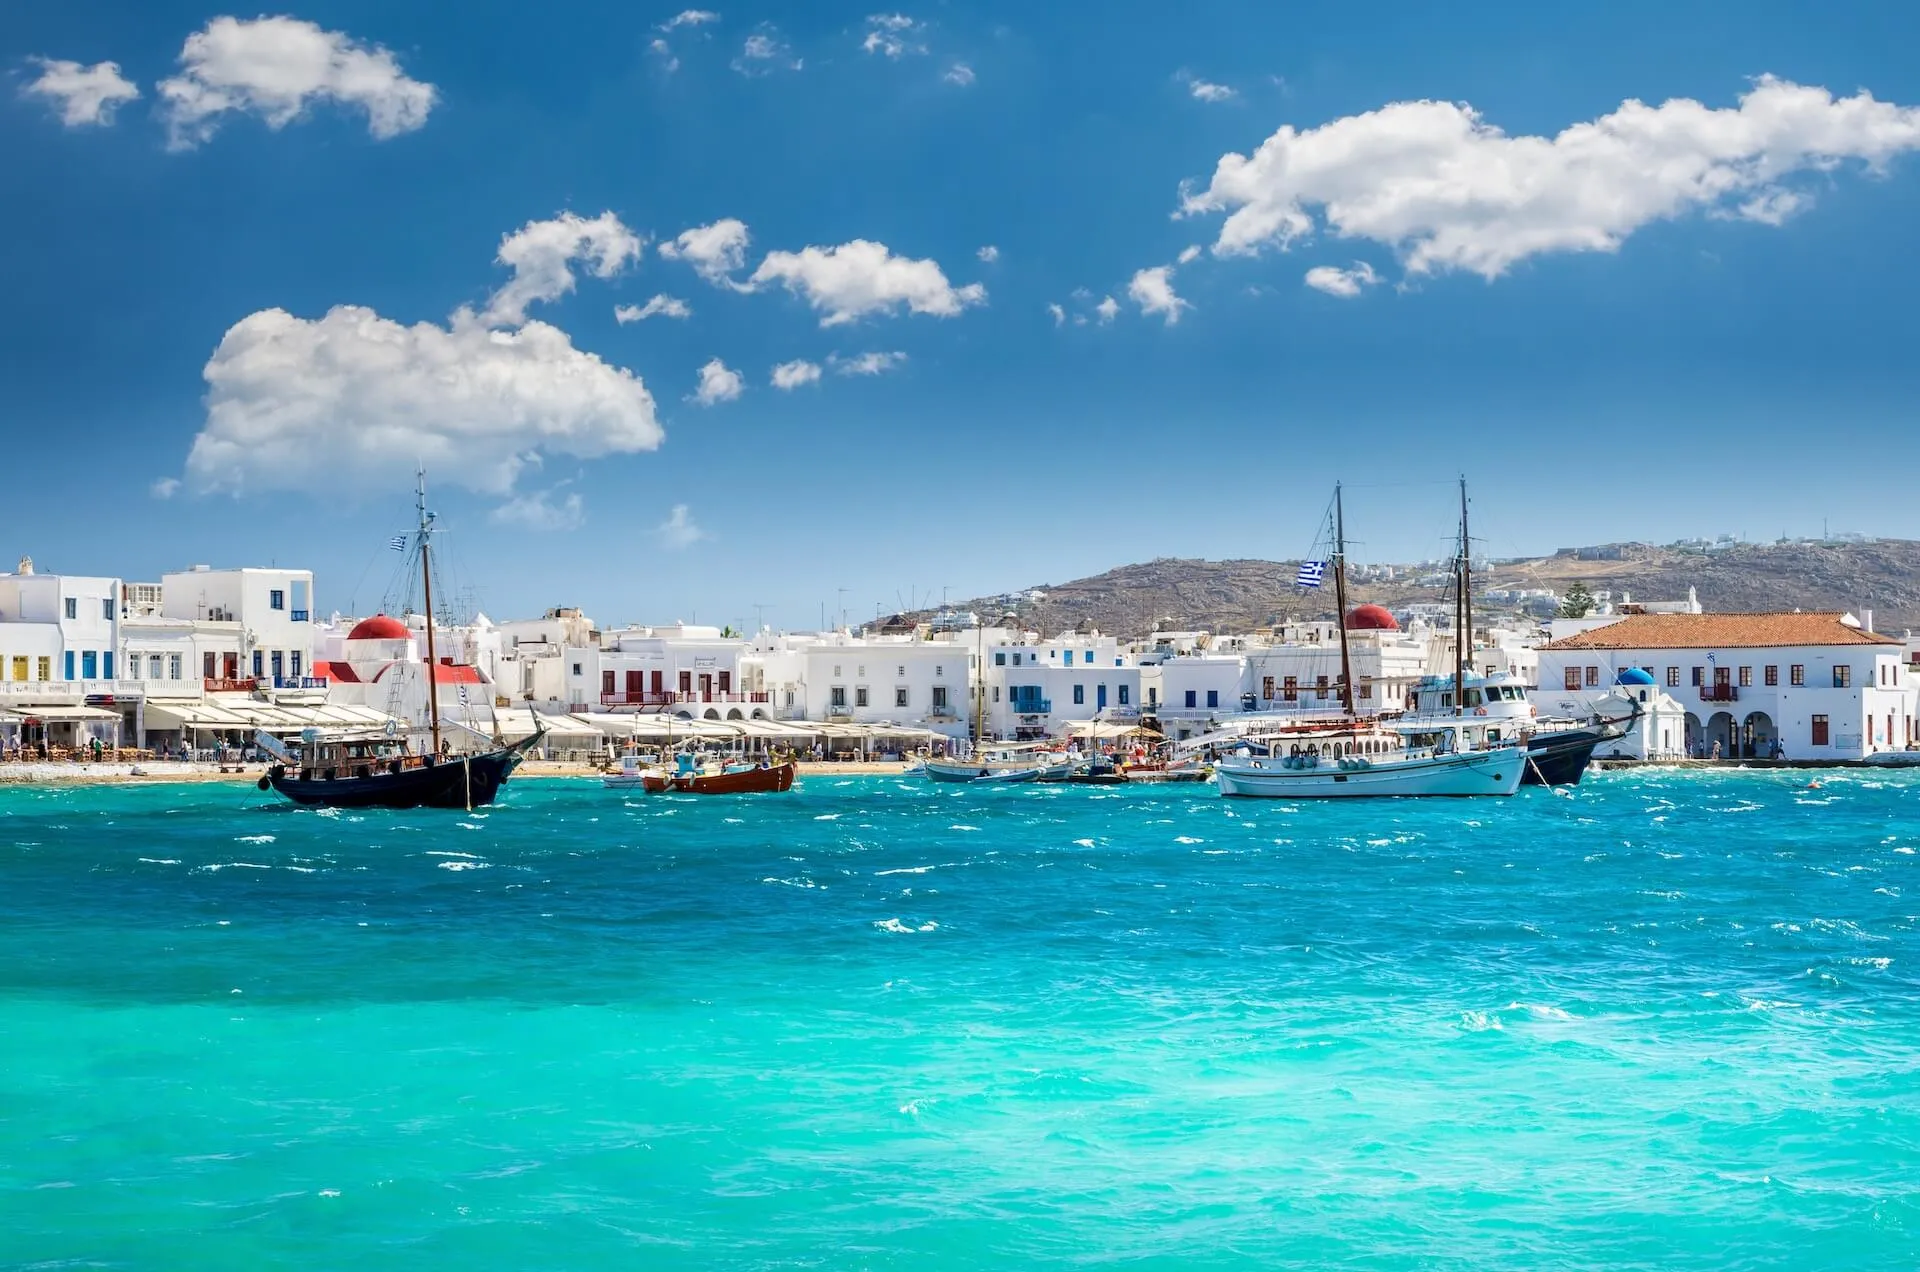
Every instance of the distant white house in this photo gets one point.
(1820, 685)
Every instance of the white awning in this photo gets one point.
(61, 713)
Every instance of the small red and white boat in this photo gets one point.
(689, 777)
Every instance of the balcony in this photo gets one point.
(1719, 693)
(224, 684)
(299, 682)
(1033, 706)
(664, 698)
(943, 713)
(299, 616)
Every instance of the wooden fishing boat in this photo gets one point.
(760, 780)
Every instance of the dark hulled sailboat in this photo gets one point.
(378, 773)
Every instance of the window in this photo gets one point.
(1593, 677)
(279, 664)
(1089, 657)
(1266, 688)
(1213, 698)
(939, 697)
(106, 608)
(1842, 676)
(996, 693)
(606, 683)
(999, 657)
(939, 671)
(73, 608)
(1573, 678)
(45, 667)
(1079, 695)
(860, 673)
(106, 665)
(173, 667)
(1192, 698)
(89, 665)
(1016, 658)
(1123, 695)
(900, 696)
(576, 669)
(1673, 677)
(1771, 674)
(900, 672)
(153, 667)
(260, 670)
(295, 657)
(1820, 730)
(1292, 690)
(1699, 676)
(1746, 677)
(276, 599)
(838, 696)
(1320, 687)
(860, 696)
(1366, 687)
(1797, 674)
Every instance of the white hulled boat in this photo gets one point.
(1456, 756)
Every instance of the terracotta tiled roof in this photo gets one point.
(1721, 631)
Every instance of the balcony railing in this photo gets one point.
(299, 616)
(669, 698)
(1033, 706)
(224, 684)
(943, 713)
(299, 682)
(1719, 693)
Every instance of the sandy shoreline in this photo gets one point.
(33, 773)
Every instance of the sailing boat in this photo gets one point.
(1013, 763)
(1461, 755)
(378, 772)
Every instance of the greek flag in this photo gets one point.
(398, 543)
(1311, 574)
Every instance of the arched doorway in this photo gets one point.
(1692, 742)
(710, 714)
(733, 713)
(1757, 736)
(1722, 733)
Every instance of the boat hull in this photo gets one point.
(1468, 773)
(978, 774)
(1561, 758)
(754, 781)
(467, 781)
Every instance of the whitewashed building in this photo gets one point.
(1821, 686)
(908, 680)
(249, 626)
(1034, 688)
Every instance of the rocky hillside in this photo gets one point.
(1882, 575)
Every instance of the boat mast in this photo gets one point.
(1340, 600)
(426, 588)
(1462, 608)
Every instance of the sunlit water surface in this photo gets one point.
(1666, 1020)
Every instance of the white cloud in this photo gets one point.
(661, 306)
(866, 363)
(1344, 283)
(1109, 309)
(894, 34)
(351, 401)
(661, 49)
(791, 375)
(855, 279)
(276, 68)
(1449, 191)
(537, 511)
(989, 254)
(718, 383)
(763, 54)
(714, 251)
(1188, 255)
(1059, 313)
(1209, 92)
(1152, 290)
(164, 488)
(82, 95)
(690, 17)
(540, 252)
(678, 530)
(960, 74)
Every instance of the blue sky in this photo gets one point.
(1739, 360)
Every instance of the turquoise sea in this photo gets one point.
(1666, 1020)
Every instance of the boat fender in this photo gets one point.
(264, 784)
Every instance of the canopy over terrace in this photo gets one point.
(1106, 730)
(61, 725)
(243, 717)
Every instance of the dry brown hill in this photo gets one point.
(1882, 575)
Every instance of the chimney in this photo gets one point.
(1866, 620)
(26, 565)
